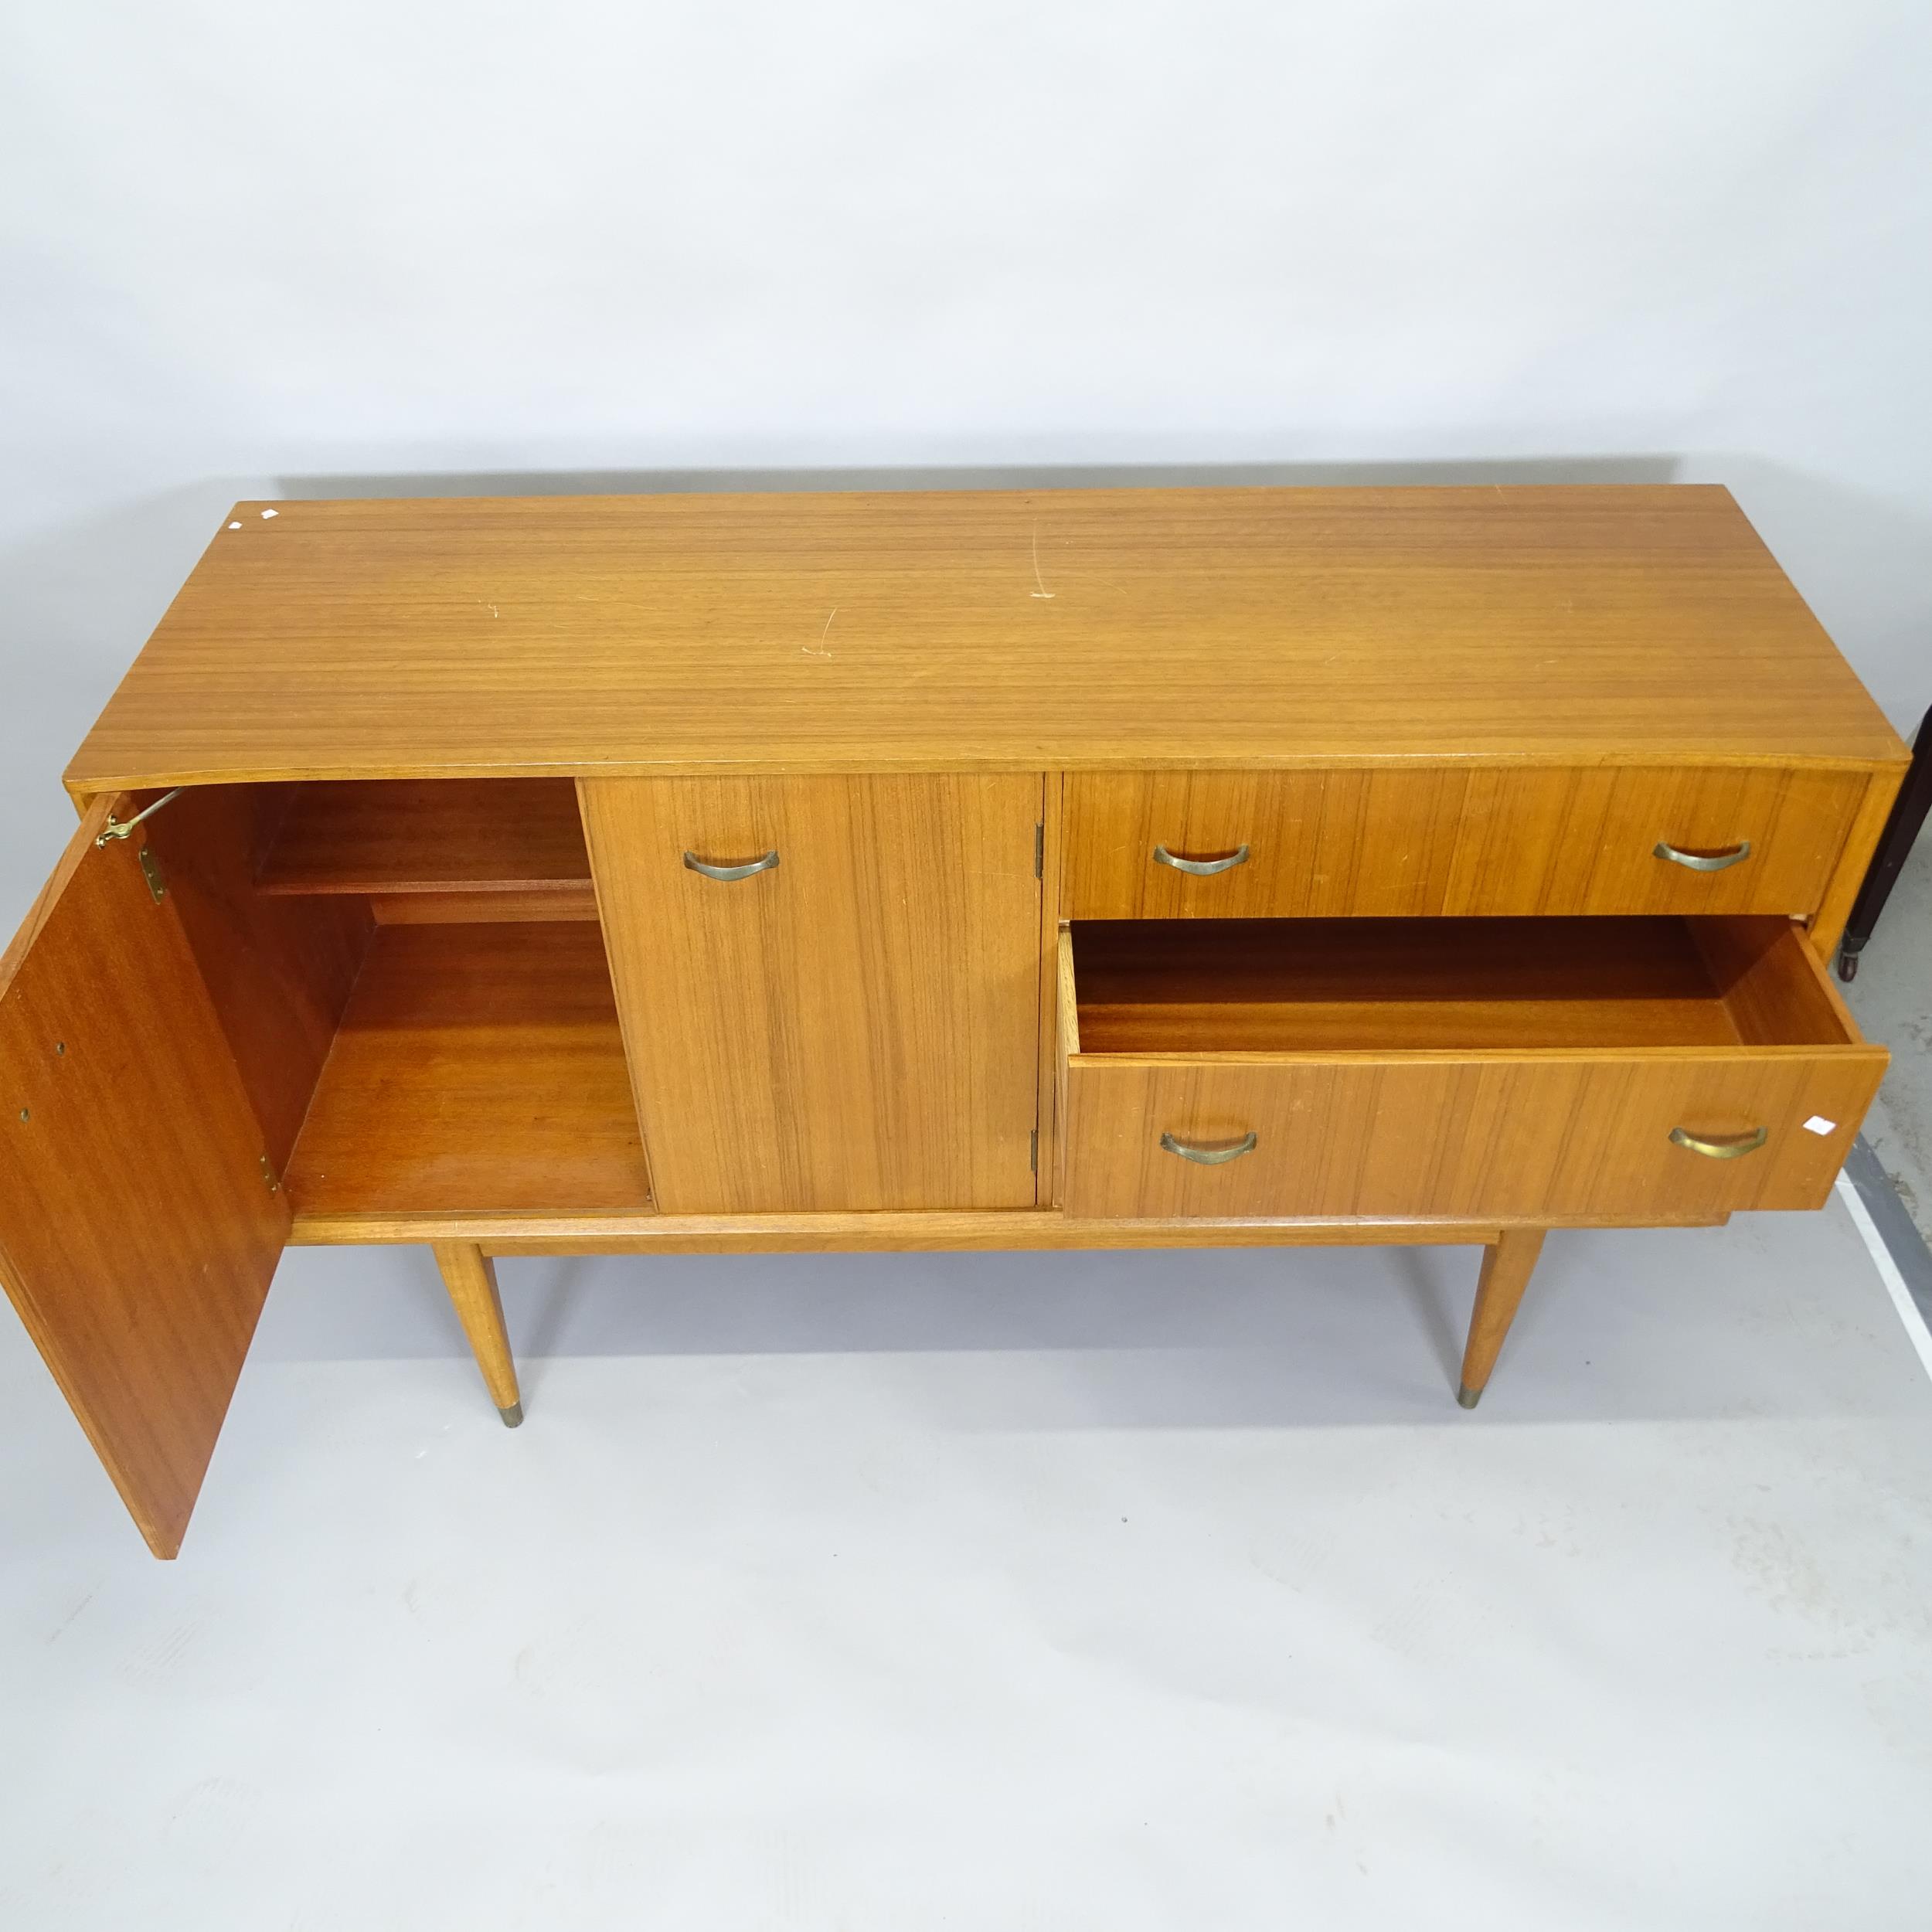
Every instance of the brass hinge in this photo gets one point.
(1039, 849)
(1032, 1150)
(115, 829)
(150, 864)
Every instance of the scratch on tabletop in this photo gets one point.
(1043, 591)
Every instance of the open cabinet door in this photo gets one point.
(139, 1216)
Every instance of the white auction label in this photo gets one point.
(1817, 1123)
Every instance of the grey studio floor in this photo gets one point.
(1120, 1591)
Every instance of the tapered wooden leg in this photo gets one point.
(471, 1280)
(1505, 1273)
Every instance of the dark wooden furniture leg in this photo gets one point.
(1894, 846)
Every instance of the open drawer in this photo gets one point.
(1640, 1070)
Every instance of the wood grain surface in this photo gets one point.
(1506, 1270)
(1521, 1133)
(856, 1028)
(997, 630)
(477, 1067)
(965, 1229)
(1283, 986)
(1046, 1161)
(961, 1230)
(1539, 1138)
(470, 1280)
(458, 906)
(1448, 840)
(279, 970)
(1854, 860)
(138, 1229)
(517, 835)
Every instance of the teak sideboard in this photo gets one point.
(1056, 869)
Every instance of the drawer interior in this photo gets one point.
(1189, 987)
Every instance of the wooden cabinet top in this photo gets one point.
(1033, 630)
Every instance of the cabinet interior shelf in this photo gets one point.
(426, 849)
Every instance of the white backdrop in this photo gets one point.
(253, 249)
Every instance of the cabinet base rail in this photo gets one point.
(929, 1230)
(1509, 1258)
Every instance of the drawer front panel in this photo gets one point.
(1447, 840)
(1558, 1135)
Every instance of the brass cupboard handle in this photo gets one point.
(1209, 1156)
(727, 873)
(1201, 867)
(1721, 1146)
(1702, 861)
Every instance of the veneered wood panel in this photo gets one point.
(982, 630)
(1452, 840)
(1772, 987)
(477, 1069)
(1068, 1030)
(1046, 1159)
(465, 908)
(1561, 1135)
(1562, 1132)
(1555, 841)
(1854, 860)
(1312, 985)
(856, 1028)
(137, 1232)
(517, 835)
(278, 971)
(985, 1229)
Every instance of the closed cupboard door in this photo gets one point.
(140, 1216)
(829, 987)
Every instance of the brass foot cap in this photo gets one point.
(1468, 1397)
(512, 1415)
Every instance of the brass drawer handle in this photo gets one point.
(1721, 1146)
(1702, 861)
(727, 873)
(1209, 1156)
(1201, 867)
